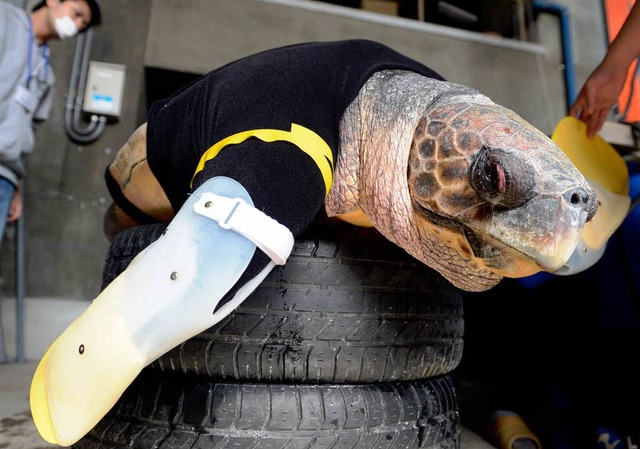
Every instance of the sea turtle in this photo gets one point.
(469, 187)
(248, 155)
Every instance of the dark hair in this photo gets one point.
(96, 16)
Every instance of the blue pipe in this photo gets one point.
(562, 12)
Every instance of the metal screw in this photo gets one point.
(208, 204)
(174, 275)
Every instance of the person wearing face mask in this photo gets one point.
(27, 81)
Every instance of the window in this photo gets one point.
(506, 18)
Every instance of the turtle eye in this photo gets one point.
(501, 178)
(494, 173)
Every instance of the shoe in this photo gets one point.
(608, 439)
(509, 431)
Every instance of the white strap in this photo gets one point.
(235, 214)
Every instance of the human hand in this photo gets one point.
(15, 208)
(597, 96)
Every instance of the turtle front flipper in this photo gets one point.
(167, 295)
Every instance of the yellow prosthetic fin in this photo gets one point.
(166, 296)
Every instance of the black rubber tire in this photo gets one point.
(348, 307)
(172, 410)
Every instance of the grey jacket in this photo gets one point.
(26, 88)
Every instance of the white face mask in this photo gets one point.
(65, 27)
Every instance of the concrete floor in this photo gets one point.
(17, 430)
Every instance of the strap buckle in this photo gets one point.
(234, 214)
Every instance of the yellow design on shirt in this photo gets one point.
(305, 139)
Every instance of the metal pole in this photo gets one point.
(562, 12)
(19, 262)
(3, 354)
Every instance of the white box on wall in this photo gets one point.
(105, 86)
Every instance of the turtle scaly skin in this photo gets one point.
(464, 185)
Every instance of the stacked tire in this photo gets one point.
(348, 345)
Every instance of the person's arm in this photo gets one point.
(16, 132)
(15, 208)
(603, 86)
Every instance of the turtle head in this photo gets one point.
(501, 193)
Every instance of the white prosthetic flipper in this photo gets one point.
(166, 296)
